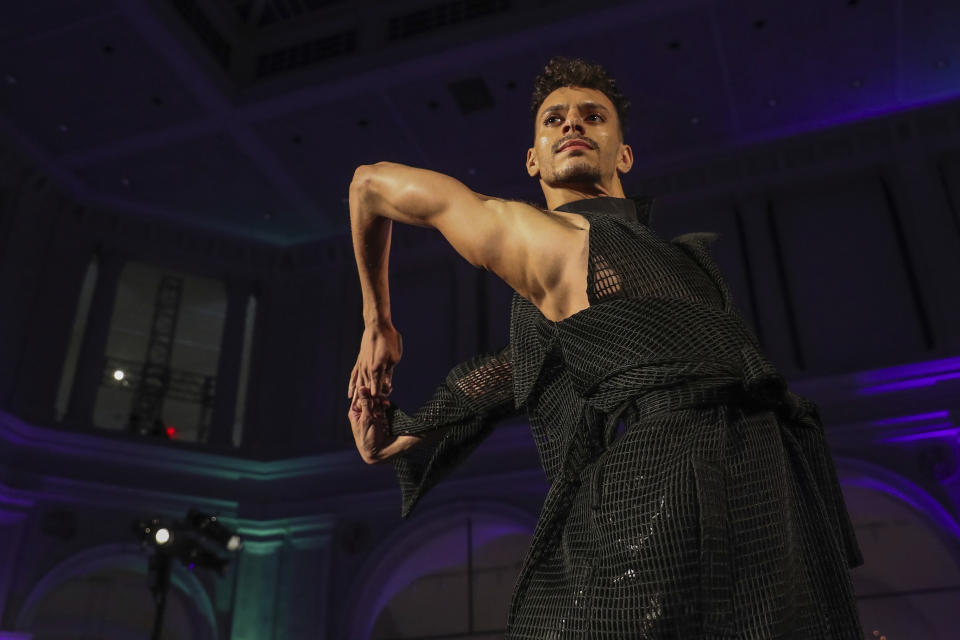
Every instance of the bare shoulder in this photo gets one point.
(542, 254)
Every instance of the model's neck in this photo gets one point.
(559, 196)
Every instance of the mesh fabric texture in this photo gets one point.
(717, 513)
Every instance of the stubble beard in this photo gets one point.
(576, 173)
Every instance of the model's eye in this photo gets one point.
(550, 120)
(595, 117)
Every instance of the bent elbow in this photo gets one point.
(362, 177)
(364, 174)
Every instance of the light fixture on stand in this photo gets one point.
(197, 541)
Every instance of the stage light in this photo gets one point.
(209, 526)
(162, 536)
(191, 541)
(154, 532)
(171, 432)
(119, 375)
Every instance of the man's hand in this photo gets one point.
(371, 433)
(369, 423)
(380, 350)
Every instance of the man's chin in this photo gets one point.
(575, 173)
(575, 176)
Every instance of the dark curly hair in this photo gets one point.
(575, 72)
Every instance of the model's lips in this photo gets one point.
(575, 144)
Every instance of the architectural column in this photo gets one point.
(282, 579)
(255, 604)
(303, 588)
(229, 363)
(934, 233)
(93, 350)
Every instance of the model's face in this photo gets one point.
(577, 139)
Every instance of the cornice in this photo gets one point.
(103, 448)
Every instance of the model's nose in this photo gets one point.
(574, 123)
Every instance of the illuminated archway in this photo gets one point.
(113, 561)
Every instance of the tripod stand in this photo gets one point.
(159, 578)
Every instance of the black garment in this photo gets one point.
(717, 514)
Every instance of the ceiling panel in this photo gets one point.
(810, 62)
(90, 85)
(24, 20)
(208, 179)
(322, 146)
(669, 68)
(483, 148)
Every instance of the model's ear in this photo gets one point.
(533, 169)
(625, 159)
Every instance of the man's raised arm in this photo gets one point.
(474, 225)
(520, 243)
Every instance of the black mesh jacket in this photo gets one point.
(716, 514)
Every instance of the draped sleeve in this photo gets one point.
(461, 413)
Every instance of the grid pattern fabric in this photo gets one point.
(461, 413)
(716, 514)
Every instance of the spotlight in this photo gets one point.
(119, 375)
(209, 526)
(153, 532)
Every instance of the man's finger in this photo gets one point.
(360, 395)
(352, 383)
(363, 409)
(364, 395)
